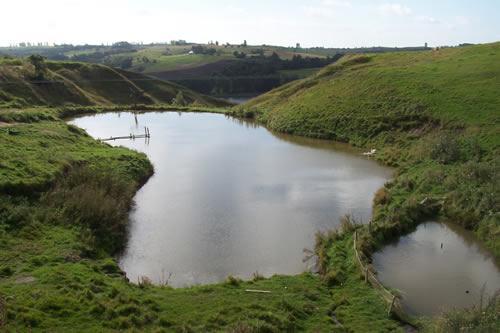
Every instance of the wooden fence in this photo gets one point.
(393, 302)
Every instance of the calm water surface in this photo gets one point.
(229, 197)
(239, 99)
(431, 278)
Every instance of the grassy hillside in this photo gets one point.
(205, 71)
(67, 83)
(434, 114)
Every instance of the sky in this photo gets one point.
(328, 23)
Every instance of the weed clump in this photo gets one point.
(446, 149)
(98, 201)
(233, 281)
(6, 271)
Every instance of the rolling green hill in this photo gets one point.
(215, 69)
(434, 114)
(71, 83)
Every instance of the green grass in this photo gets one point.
(34, 155)
(67, 291)
(181, 61)
(432, 114)
(57, 272)
(299, 73)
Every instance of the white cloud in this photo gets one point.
(427, 19)
(461, 20)
(327, 8)
(337, 3)
(395, 9)
(318, 12)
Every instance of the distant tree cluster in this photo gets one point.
(123, 46)
(178, 42)
(240, 55)
(199, 49)
(299, 62)
(261, 64)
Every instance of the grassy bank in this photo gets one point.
(64, 214)
(433, 115)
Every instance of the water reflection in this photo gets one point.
(229, 197)
(437, 267)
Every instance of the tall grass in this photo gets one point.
(480, 318)
(97, 201)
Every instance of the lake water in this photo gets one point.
(239, 99)
(432, 278)
(230, 197)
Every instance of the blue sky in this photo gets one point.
(331, 23)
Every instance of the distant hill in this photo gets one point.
(67, 83)
(216, 69)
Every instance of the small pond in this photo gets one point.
(437, 267)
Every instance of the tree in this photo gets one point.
(40, 66)
(245, 43)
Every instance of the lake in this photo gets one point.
(231, 198)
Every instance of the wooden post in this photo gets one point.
(366, 274)
(392, 304)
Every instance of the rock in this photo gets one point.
(25, 279)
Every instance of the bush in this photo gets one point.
(347, 224)
(333, 278)
(6, 272)
(382, 197)
(446, 149)
(94, 200)
(233, 281)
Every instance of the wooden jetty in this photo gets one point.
(131, 136)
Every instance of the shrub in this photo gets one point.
(110, 267)
(446, 149)
(6, 272)
(95, 200)
(333, 278)
(347, 224)
(233, 281)
(382, 197)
